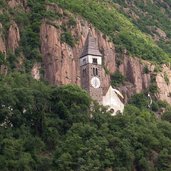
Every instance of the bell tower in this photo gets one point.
(91, 69)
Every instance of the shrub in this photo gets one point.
(139, 100)
(158, 68)
(106, 70)
(166, 78)
(167, 116)
(12, 60)
(72, 22)
(67, 38)
(153, 88)
(2, 58)
(117, 79)
(146, 70)
(155, 106)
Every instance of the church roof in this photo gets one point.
(90, 47)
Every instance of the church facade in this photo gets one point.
(91, 77)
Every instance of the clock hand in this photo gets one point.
(95, 83)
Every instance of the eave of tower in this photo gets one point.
(90, 47)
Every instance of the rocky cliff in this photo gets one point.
(61, 60)
(16, 3)
(13, 37)
(2, 41)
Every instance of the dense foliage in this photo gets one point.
(117, 79)
(52, 128)
(151, 17)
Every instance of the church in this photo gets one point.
(91, 77)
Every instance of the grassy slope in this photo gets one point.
(118, 27)
(152, 15)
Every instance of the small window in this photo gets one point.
(94, 61)
(118, 112)
(84, 72)
(112, 111)
(95, 71)
(84, 61)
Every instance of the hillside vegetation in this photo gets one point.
(152, 17)
(45, 127)
(121, 31)
(51, 128)
(102, 14)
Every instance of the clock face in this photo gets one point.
(95, 82)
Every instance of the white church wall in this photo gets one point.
(91, 57)
(112, 100)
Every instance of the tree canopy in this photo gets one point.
(45, 127)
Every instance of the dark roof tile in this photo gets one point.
(90, 47)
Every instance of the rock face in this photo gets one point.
(10, 44)
(133, 70)
(13, 37)
(163, 80)
(62, 62)
(15, 3)
(2, 43)
(35, 72)
(59, 60)
(3, 69)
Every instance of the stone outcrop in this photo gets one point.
(133, 70)
(16, 3)
(35, 72)
(58, 59)
(13, 37)
(3, 68)
(163, 80)
(2, 42)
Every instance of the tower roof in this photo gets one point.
(90, 47)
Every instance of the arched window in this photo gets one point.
(94, 61)
(84, 72)
(96, 71)
(112, 111)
